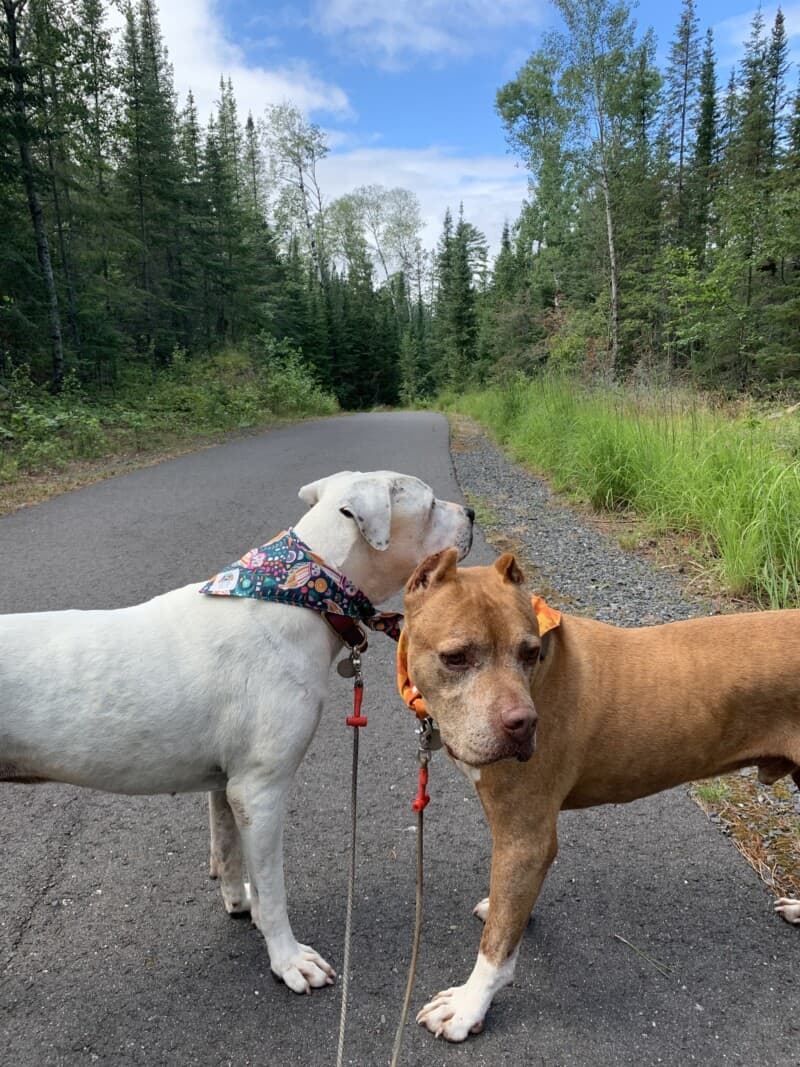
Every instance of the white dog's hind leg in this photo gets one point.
(226, 862)
(260, 811)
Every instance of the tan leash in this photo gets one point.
(356, 720)
(428, 738)
(428, 741)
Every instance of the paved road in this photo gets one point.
(114, 947)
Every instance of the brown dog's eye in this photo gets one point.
(456, 661)
(529, 654)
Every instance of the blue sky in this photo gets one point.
(405, 89)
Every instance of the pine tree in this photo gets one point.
(461, 250)
(682, 83)
(24, 134)
(777, 68)
(149, 182)
(702, 176)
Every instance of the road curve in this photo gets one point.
(114, 946)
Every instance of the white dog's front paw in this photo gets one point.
(453, 1014)
(304, 970)
(788, 909)
(481, 909)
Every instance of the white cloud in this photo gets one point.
(731, 34)
(390, 33)
(200, 51)
(491, 188)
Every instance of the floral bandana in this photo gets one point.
(547, 617)
(286, 571)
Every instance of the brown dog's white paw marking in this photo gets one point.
(789, 910)
(456, 1013)
(453, 1014)
(304, 970)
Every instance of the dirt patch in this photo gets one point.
(762, 821)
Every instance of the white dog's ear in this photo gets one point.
(311, 493)
(369, 504)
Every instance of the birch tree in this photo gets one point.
(295, 146)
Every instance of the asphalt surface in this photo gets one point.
(114, 945)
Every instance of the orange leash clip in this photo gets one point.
(429, 740)
(357, 719)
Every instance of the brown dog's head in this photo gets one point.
(472, 646)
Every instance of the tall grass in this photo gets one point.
(730, 481)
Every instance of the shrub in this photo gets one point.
(230, 390)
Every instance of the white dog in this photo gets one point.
(188, 692)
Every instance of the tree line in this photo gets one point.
(134, 232)
(661, 232)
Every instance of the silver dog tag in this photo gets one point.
(345, 668)
(430, 740)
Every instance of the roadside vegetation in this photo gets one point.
(728, 478)
(233, 391)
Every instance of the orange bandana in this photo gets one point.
(547, 617)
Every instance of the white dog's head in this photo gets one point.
(378, 525)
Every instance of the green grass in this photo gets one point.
(730, 481)
(712, 791)
(485, 514)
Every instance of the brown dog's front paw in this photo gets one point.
(453, 1014)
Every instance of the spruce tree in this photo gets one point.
(681, 88)
(702, 177)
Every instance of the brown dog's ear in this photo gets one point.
(508, 568)
(436, 569)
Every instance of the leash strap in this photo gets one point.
(356, 720)
(425, 732)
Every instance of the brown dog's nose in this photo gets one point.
(518, 721)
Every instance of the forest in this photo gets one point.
(660, 237)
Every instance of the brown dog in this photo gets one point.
(621, 713)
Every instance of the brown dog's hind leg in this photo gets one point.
(773, 768)
(518, 869)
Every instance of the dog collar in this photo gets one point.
(548, 619)
(285, 570)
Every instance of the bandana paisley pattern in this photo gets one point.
(286, 571)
